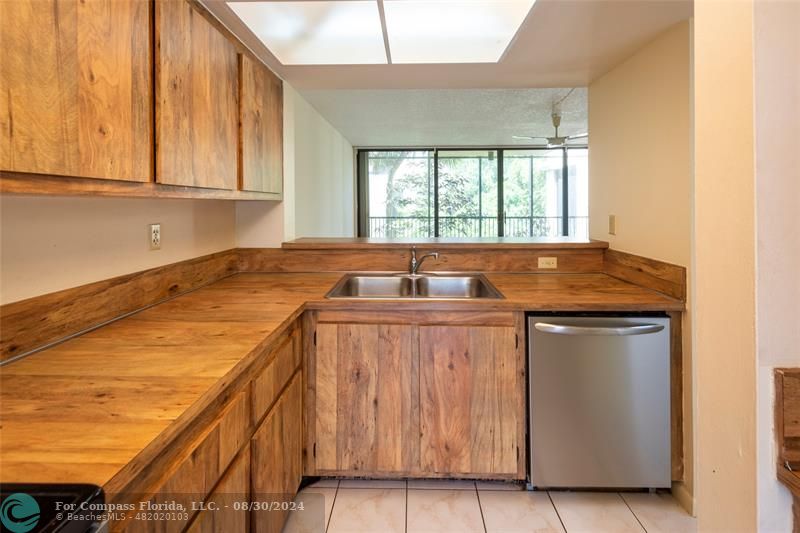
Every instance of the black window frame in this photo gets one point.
(362, 181)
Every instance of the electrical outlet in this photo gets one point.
(155, 236)
(548, 262)
(612, 224)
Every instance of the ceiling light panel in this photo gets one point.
(452, 31)
(317, 33)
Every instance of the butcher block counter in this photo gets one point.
(99, 407)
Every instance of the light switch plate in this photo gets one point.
(548, 262)
(612, 224)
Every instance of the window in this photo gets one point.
(471, 193)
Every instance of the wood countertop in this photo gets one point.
(83, 410)
(444, 243)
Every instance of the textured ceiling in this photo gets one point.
(442, 117)
(562, 43)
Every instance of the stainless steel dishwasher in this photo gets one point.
(599, 401)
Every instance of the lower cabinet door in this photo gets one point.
(469, 401)
(276, 450)
(366, 385)
(224, 509)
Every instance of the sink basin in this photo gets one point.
(374, 287)
(473, 286)
(419, 287)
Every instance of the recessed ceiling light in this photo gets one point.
(452, 31)
(317, 32)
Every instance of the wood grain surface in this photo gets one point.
(260, 127)
(469, 407)
(787, 415)
(456, 259)
(233, 488)
(21, 183)
(76, 88)
(35, 322)
(365, 381)
(277, 457)
(676, 395)
(147, 380)
(196, 90)
(657, 275)
(39, 321)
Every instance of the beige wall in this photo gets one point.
(640, 157)
(777, 108)
(319, 183)
(641, 171)
(53, 243)
(724, 266)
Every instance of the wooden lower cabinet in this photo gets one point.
(250, 452)
(419, 399)
(469, 400)
(366, 379)
(277, 449)
(223, 511)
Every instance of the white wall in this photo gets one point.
(777, 108)
(641, 171)
(319, 183)
(324, 177)
(53, 243)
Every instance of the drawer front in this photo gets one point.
(232, 489)
(268, 384)
(234, 428)
(277, 450)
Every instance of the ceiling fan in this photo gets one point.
(556, 141)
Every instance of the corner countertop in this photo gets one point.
(82, 410)
(444, 243)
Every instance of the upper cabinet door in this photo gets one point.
(262, 128)
(76, 88)
(196, 100)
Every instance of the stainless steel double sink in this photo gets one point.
(443, 286)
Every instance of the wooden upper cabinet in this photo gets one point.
(366, 389)
(470, 394)
(76, 88)
(196, 100)
(261, 128)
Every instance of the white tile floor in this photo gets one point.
(433, 506)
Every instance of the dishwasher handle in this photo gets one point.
(616, 331)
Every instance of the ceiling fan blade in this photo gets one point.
(578, 136)
(527, 137)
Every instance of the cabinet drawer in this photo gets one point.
(232, 489)
(277, 450)
(234, 428)
(270, 381)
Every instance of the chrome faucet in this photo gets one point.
(415, 264)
